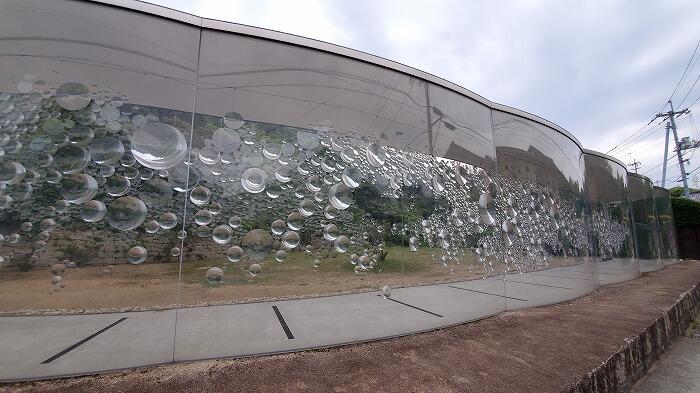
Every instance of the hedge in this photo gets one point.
(686, 212)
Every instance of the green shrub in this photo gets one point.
(686, 212)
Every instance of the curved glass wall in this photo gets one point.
(646, 231)
(612, 236)
(227, 193)
(667, 230)
(543, 211)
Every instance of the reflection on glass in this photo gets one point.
(612, 237)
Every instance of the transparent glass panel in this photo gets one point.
(81, 214)
(645, 228)
(667, 229)
(542, 192)
(612, 235)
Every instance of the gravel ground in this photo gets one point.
(536, 350)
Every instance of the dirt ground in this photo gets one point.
(534, 350)
(150, 286)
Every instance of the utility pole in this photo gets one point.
(635, 164)
(679, 152)
(663, 175)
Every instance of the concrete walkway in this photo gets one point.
(46, 346)
(678, 371)
(542, 350)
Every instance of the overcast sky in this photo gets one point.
(600, 69)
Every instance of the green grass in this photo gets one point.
(298, 263)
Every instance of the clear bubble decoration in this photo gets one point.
(126, 213)
(93, 211)
(235, 222)
(175, 251)
(78, 188)
(155, 192)
(151, 226)
(280, 256)
(136, 255)
(222, 234)
(72, 96)
(167, 220)
(340, 196)
(12, 172)
(71, 159)
(234, 254)
(106, 150)
(257, 244)
(117, 185)
(342, 244)
(200, 195)
(158, 146)
(214, 275)
(233, 120)
(290, 239)
(255, 269)
(254, 180)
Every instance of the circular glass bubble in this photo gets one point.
(254, 269)
(376, 154)
(110, 113)
(331, 232)
(184, 177)
(167, 220)
(438, 183)
(342, 243)
(47, 225)
(215, 208)
(80, 135)
(317, 262)
(21, 191)
(226, 140)
(233, 120)
(413, 243)
(106, 150)
(5, 201)
(254, 180)
(130, 173)
(280, 256)
(283, 174)
(43, 236)
(307, 140)
(181, 234)
(257, 244)
(306, 207)
(234, 222)
(386, 291)
(200, 195)
(330, 212)
(151, 226)
(12, 172)
(203, 231)
(209, 155)
(278, 227)
(71, 159)
(158, 146)
(117, 185)
(290, 239)
(53, 176)
(340, 196)
(348, 155)
(136, 255)
(175, 251)
(295, 221)
(126, 213)
(272, 151)
(78, 188)
(214, 275)
(72, 96)
(234, 254)
(155, 192)
(222, 234)
(107, 171)
(314, 183)
(273, 191)
(26, 226)
(352, 176)
(93, 211)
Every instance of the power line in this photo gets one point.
(684, 72)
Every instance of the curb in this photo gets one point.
(632, 361)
